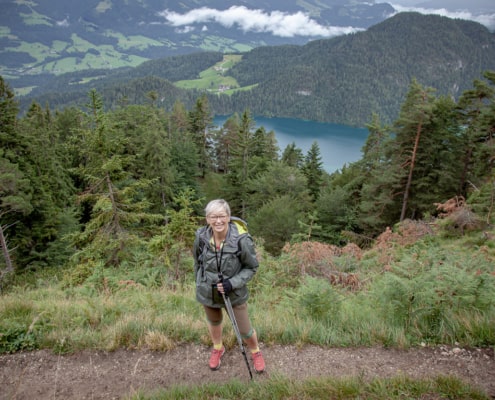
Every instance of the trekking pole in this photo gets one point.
(230, 311)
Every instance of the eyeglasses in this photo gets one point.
(217, 217)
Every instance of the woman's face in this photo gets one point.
(218, 220)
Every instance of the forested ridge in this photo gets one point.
(343, 80)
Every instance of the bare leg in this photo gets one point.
(215, 333)
(252, 342)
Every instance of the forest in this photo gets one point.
(89, 186)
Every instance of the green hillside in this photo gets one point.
(343, 80)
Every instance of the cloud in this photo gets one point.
(485, 19)
(276, 22)
(64, 23)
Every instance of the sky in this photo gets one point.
(482, 11)
(283, 24)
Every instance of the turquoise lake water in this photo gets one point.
(339, 144)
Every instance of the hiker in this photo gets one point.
(224, 247)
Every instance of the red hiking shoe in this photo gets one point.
(215, 357)
(258, 362)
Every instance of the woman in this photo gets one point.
(224, 248)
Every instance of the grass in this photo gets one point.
(450, 299)
(66, 57)
(214, 79)
(279, 387)
(35, 18)
(134, 41)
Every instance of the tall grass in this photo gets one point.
(279, 387)
(432, 292)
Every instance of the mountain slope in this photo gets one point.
(59, 36)
(343, 80)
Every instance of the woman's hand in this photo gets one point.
(224, 287)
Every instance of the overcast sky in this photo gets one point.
(482, 11)
(283, 24)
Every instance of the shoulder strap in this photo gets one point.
(242, 226)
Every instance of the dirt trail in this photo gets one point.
(112, 375)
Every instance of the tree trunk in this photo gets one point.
(411, 169)
(6, 254)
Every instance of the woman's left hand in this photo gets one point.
(224, 287)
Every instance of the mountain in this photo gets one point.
(40, 39)
(343, 79)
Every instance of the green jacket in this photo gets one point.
(237, 261)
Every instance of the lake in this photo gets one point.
(339, 144)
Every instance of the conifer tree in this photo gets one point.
(313, 170)
(278, 180)
(9, 109)
(358, 179)
(437, 171)
(15, 190)
(32, 147)
(241, 165)
(475, 111)
(118, 208)
(413, 123)
(277, 221)
(223, 139)
(52, 188)
(293, 156)
(200, 121)
(264, 151)
(15, 200)
(184, 154)
(477, 115)
(145, 137)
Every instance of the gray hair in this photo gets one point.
(216, 206)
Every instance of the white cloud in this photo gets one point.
(485, 19)
(64, 23)
(277, 22)
(186, 29)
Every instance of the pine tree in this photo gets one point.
(200, 121)
(475, 111)
(52, 189)
(9, 109)
(414, 122)
(119, 209)
(240, 165)
(278, 180)
(15, 199)
(293, 156)
(313, 170)
(477, 114)
(183, 151)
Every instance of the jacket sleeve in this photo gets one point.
(196, 254)
(249, 263)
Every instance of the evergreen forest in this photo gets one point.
(89, 186)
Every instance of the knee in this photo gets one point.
(248, 335)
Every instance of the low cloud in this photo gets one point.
(485, 19)
(64, 23)
(277, 23)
